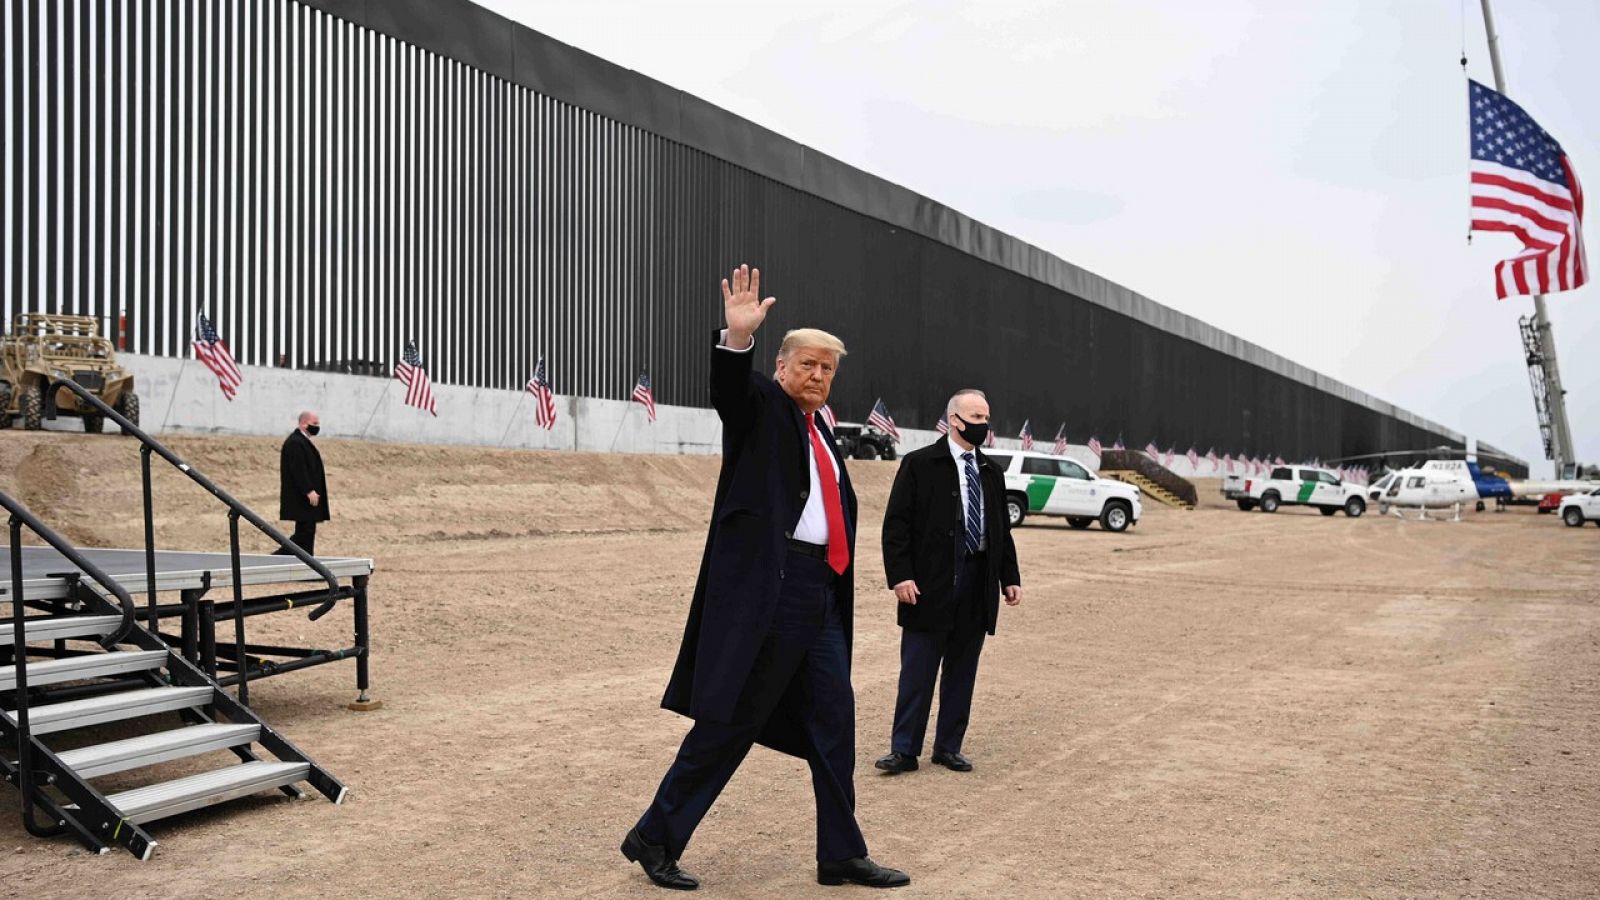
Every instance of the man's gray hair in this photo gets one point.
(950, 408)
(810, 337)
(306, 416)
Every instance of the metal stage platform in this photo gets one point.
(187, 619)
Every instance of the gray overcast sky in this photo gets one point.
(1291, 172)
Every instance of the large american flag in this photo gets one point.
(642, 394)
(544, 409)
(413, 373)
(1523, 182)
(1060, 447)
(213, 352)
(1027, 436)
(828, 418)
(880, 418)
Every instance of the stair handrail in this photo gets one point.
(236, 511)
(150, 444)
(19, 517)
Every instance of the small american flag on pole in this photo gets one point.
(1060, 447)
(1152, 451)
(1026, 435)
(880, 419)
(1094, 445)
(1118, 445)
(544, 409)
(989, 441)
(944, 426)
(828, 418)
(1194, 459)
(642, 394)
(213, 352)
(1524, 183)
(412, 372)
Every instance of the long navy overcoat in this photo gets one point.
(761, 490)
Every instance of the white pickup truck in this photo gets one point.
(1044, 485)
(1577, 509)
(1301, 485)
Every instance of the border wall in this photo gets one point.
(327, 180)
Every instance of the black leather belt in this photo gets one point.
(817, 551)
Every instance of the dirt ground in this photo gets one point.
(1215, 703)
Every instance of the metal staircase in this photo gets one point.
(1150, 488)
(61, 782)
(129, 676)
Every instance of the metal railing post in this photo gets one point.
(149, 537)
(238, 609)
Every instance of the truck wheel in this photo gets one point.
(866, 451)
(94, 424)
(1245, 503)
(1116, 516)
(5, 404)
(888, 454)
(1079, 522)
(1016, 509)
(32, 406)
(1327, 510)
(1573, 517)
(1269, 502)
(128, 406)
(1354, 507)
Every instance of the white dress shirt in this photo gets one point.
(813, 525)
(961, 481)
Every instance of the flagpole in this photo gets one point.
(375, 406)
(1556, 396)
(516, 409)
(170, 400)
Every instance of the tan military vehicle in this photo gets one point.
(44, 348)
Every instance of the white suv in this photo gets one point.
(1577, 509)
(1044, 485)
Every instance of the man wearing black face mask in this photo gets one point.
(302, 484)
(948, 553)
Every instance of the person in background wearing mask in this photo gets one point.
(947, 552)
(302, 484)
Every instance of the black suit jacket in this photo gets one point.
(923, 531)
(761, 490)
(300, 472)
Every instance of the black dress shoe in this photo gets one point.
(653, 858)
(955, 762)
(895, 763)
(863, 871)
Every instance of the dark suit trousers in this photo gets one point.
(921, 655)
(305, 537)
(804, 665)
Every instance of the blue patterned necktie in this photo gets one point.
(974, 520)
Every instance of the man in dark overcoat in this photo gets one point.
(948, 556)
(302, 483)
(765, 656)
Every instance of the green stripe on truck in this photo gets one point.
(1039, 488)
(1306, 489)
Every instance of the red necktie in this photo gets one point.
(838, 548)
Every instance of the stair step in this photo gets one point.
(73, 668)
(163, 746)
(45, 628)
(111, 708)
(157, 801)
